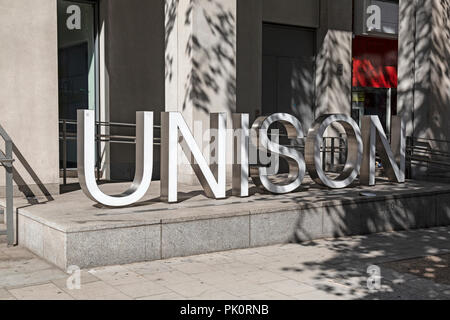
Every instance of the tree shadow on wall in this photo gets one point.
(213, 63)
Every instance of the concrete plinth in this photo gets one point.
(71, 230)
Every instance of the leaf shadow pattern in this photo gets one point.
(212, 62)
(361, 233)
(424, 80)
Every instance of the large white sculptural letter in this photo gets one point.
(241, 167)
(295, 159)
(86, 160)
(212, 179)
(393, 159)
(313, 152)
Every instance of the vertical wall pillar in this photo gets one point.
(334, 58)
(249, 57)
(422, 67)
(200, 66)
(424, 80)
(440, 73)
(132, 48)
(29, 94)
(406, 62)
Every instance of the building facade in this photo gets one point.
(303, 57)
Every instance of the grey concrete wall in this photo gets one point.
(238, 86)
(201, 57)
(333, 22)
(251, 15)
(304, 13)
(134, 47)
(29, 92)
(406, 61)
(334, 58)
(433, 114)
(249, 57)
(424, 79)
(440, 72)
(200, 67)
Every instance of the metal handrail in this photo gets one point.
(65, 136)
(334, 147)
(419, 154)
(427, 157)
(104, 124)
(6, 160)
(416, 154)
(428, 140)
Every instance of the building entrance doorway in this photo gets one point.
(77, 70)
(375, 79)
(288, 77)
(289, 72)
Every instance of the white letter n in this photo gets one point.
(375, 139)
(213, 180)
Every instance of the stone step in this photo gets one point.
(72, 231)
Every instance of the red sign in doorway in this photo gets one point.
(375, 62)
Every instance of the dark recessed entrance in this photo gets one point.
(289, 72)
(77, 70)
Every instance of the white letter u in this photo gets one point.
(86, 160)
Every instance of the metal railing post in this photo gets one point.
(65, 152)
(6, 160)
(408, 157)
(11, 223)
(332, 153)
(341, 149)
(99, 157)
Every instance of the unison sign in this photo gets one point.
(362, 147)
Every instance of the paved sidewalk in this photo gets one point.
(326, 269)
